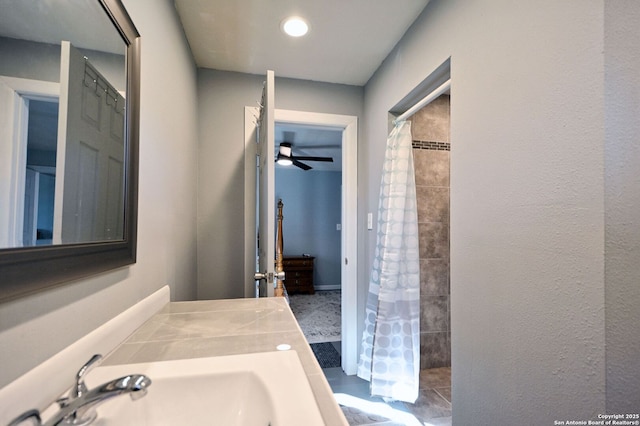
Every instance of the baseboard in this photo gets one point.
(327, 287)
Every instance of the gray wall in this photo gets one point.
(527, 203)
(35, 327)
(622, 204)
(41, 61)
(222, 97)
(28, 59)
(312, 208)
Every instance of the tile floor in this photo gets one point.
(433, 407)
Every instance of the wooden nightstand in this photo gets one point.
(298, 274)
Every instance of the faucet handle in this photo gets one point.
(32, 415)
(80, 388)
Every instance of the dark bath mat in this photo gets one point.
(326, 354)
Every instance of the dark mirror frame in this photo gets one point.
(31, 269)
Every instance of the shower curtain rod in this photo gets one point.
(424, 101)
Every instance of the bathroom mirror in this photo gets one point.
(69, 108)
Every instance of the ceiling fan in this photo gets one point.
(285, 157)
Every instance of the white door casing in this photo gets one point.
(15, 94)
(11, 174)
(349, 236)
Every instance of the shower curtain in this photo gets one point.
(390, 357)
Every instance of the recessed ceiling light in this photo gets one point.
(295, 26)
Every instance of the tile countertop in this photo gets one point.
(226, 327)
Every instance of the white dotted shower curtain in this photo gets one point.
(390, 357)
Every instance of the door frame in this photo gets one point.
(348, 124)
(17, 117)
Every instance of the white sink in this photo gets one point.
(268, 388)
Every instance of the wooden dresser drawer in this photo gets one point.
(298, 272)
(299, 264)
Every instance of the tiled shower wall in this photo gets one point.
(430, 131)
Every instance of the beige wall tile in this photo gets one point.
(435, 350)
(431, 167)
(434, 277)
(434, 240)
(434, 315)
(432, 122)
(433, 204)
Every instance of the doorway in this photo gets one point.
(310, 187)
(308, 181)
(348, 126)
(24, 99)
(40, 175)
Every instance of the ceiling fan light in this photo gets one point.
(295, 26)
(284, 160)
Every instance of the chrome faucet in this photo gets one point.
(79, 408)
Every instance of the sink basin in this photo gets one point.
(268, 388)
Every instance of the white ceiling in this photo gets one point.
(83, 23)
(347, 41)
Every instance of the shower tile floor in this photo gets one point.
(433, 407)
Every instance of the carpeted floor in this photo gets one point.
(318, 315)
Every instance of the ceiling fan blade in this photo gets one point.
(325, 159)
(301, 165)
